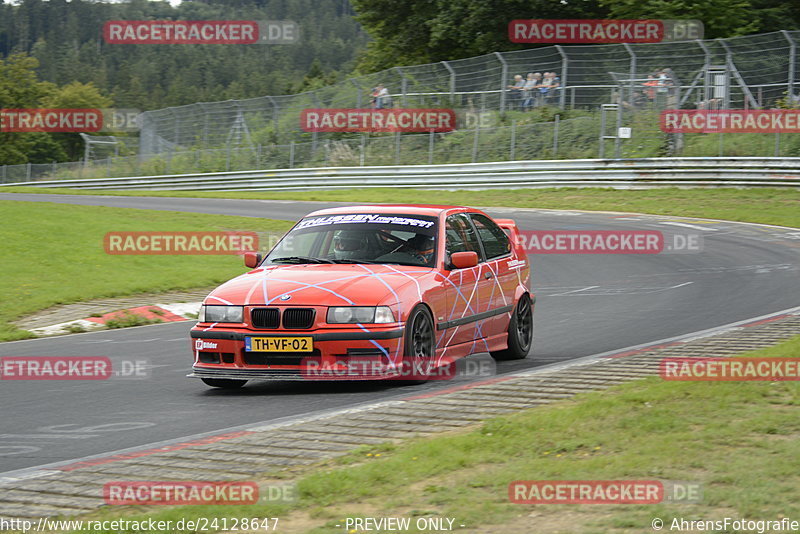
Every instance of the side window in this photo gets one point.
(460, 235)
(494, 239)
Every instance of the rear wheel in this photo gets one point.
(224, 383)
(520, 332)
(420, 346)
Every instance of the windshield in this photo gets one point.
(359, 238)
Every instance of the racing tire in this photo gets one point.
(224, 383)
(520, 332)
(419, 347)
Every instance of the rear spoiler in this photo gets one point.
(510, 227)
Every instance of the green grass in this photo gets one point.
(738, 440)
(778, 206)
(53, 254)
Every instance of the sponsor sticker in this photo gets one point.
(378, 120)
(364, 218)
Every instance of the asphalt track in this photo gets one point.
(586, 304)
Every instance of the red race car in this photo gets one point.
(370, 292)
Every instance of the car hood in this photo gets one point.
(318, 284)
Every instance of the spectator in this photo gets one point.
(651, 84)
(530, 90)
(380, 97)
(515, 91)
(547, 89)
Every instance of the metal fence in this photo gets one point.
(752, 71)
(592, 136)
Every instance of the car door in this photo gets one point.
(499, 298)
(465, 289)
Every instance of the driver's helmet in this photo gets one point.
(422, 246)
(349, 244)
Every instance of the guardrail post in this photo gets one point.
(564, 72)
(503, 80)
(792, 59)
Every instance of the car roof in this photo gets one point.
(408, 209)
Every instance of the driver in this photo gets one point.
(421, 246)
(350, 244)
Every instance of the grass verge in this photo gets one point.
(53, 254)
(779, 206)
(738, 440)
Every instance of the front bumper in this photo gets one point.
(337, 355)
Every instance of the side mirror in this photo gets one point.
(464, 260)
(252, 259)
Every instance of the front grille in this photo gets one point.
(265, 318)
(298, 318)
(279, 358)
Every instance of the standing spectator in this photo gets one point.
(650, 85)
(547, 89)
(515, 91)
(530, 90)
(380, 97)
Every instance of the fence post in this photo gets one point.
(503, 80)
(475, 141)
(28, 172)
(291, 154)
(359, 91)
(632, 73)
(403, 87)
(555, 135)
(792, 59)
(452, 81)
(361, 150)
(513, 147)
(431, 140)
(327, 152)
(777, 143)
(258, 156)
(397, 148)
(5, 175)
(564, 72)
(276, 113)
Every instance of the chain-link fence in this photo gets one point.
(752, 71)
(617, 86)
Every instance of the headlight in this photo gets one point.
(360, 314)
(221, 314)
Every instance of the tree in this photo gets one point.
(75, 95)
(408, 32)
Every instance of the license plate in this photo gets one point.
(278, 344)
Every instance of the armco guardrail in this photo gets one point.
(639, 173)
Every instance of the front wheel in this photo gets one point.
(224, 383)
(420, 346)
(520, 332)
